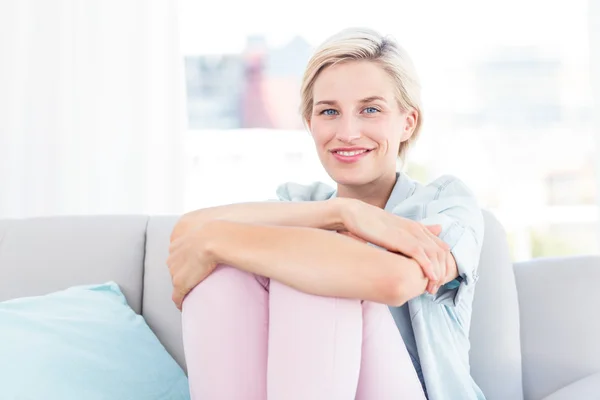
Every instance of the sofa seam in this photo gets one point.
(145, 255)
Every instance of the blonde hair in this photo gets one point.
(361, 44)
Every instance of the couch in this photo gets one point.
(535, 330)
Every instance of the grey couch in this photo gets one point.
(535, 330)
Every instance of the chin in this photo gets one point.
(352, 177)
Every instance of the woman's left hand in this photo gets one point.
(445, 260)
(189, 263)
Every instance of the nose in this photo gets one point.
(348, 130)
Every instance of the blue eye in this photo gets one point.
(371, 110)
(329, 112)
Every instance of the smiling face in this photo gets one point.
(357, 123)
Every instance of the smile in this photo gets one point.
(350, 156)
(351, 153)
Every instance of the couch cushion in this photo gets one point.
(43, 255)
(83, 342)
(158, 309)
(560, 323)
(586, 388)
(495, 342)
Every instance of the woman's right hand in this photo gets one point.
(400, 235)
(189, 261)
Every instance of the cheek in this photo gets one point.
(380, 131)
(321, 132)
(388, 131)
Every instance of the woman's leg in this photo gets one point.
(225, 328)
(314, 346)
(386, 370)
(324, 348)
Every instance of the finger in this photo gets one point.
(443, 254)
(177, 299)
(440, 272)
(439, 249)
(413, 246)
(436, 253)
(444, 266)
(176, 244)
(171, 260)
(427, 265)
(433, 234)
(430, 286)
(180, 289)
(432, 255)
(434, 229)
(440, 243)
(431, 246)
(172, 265)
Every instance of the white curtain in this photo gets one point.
(594, 28)
(92, 113)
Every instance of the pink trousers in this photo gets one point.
(246, 338)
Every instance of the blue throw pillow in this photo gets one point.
(83, 343)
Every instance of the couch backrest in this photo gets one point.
(43, 255)
(560, 322)
(158, 309)
(495, 337)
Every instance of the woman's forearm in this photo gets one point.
(315, 261)
(314, 214)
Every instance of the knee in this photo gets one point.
(225, 280)
(222, 278)
(282, 292)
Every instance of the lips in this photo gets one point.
(350, 155)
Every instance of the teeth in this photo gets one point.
(350, 153)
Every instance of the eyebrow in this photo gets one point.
(365, 100)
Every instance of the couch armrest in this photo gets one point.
(560, 324)
(587, 388)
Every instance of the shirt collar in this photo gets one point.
(400, 192)
(402, 189)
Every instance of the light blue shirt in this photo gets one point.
(440, 323)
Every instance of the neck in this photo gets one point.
(375, 193)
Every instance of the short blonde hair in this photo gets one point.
(361, 44)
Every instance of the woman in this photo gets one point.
(277, 304)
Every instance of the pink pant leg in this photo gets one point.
(314, 346)
(225, 328)
(324, 348)
(386, 370)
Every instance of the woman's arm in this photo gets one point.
(313, 214)
(314, 261)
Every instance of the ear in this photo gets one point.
(411, 120)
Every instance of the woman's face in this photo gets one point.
(357, 124)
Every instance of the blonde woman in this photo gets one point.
(363, 291)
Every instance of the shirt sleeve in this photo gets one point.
(454, 207)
